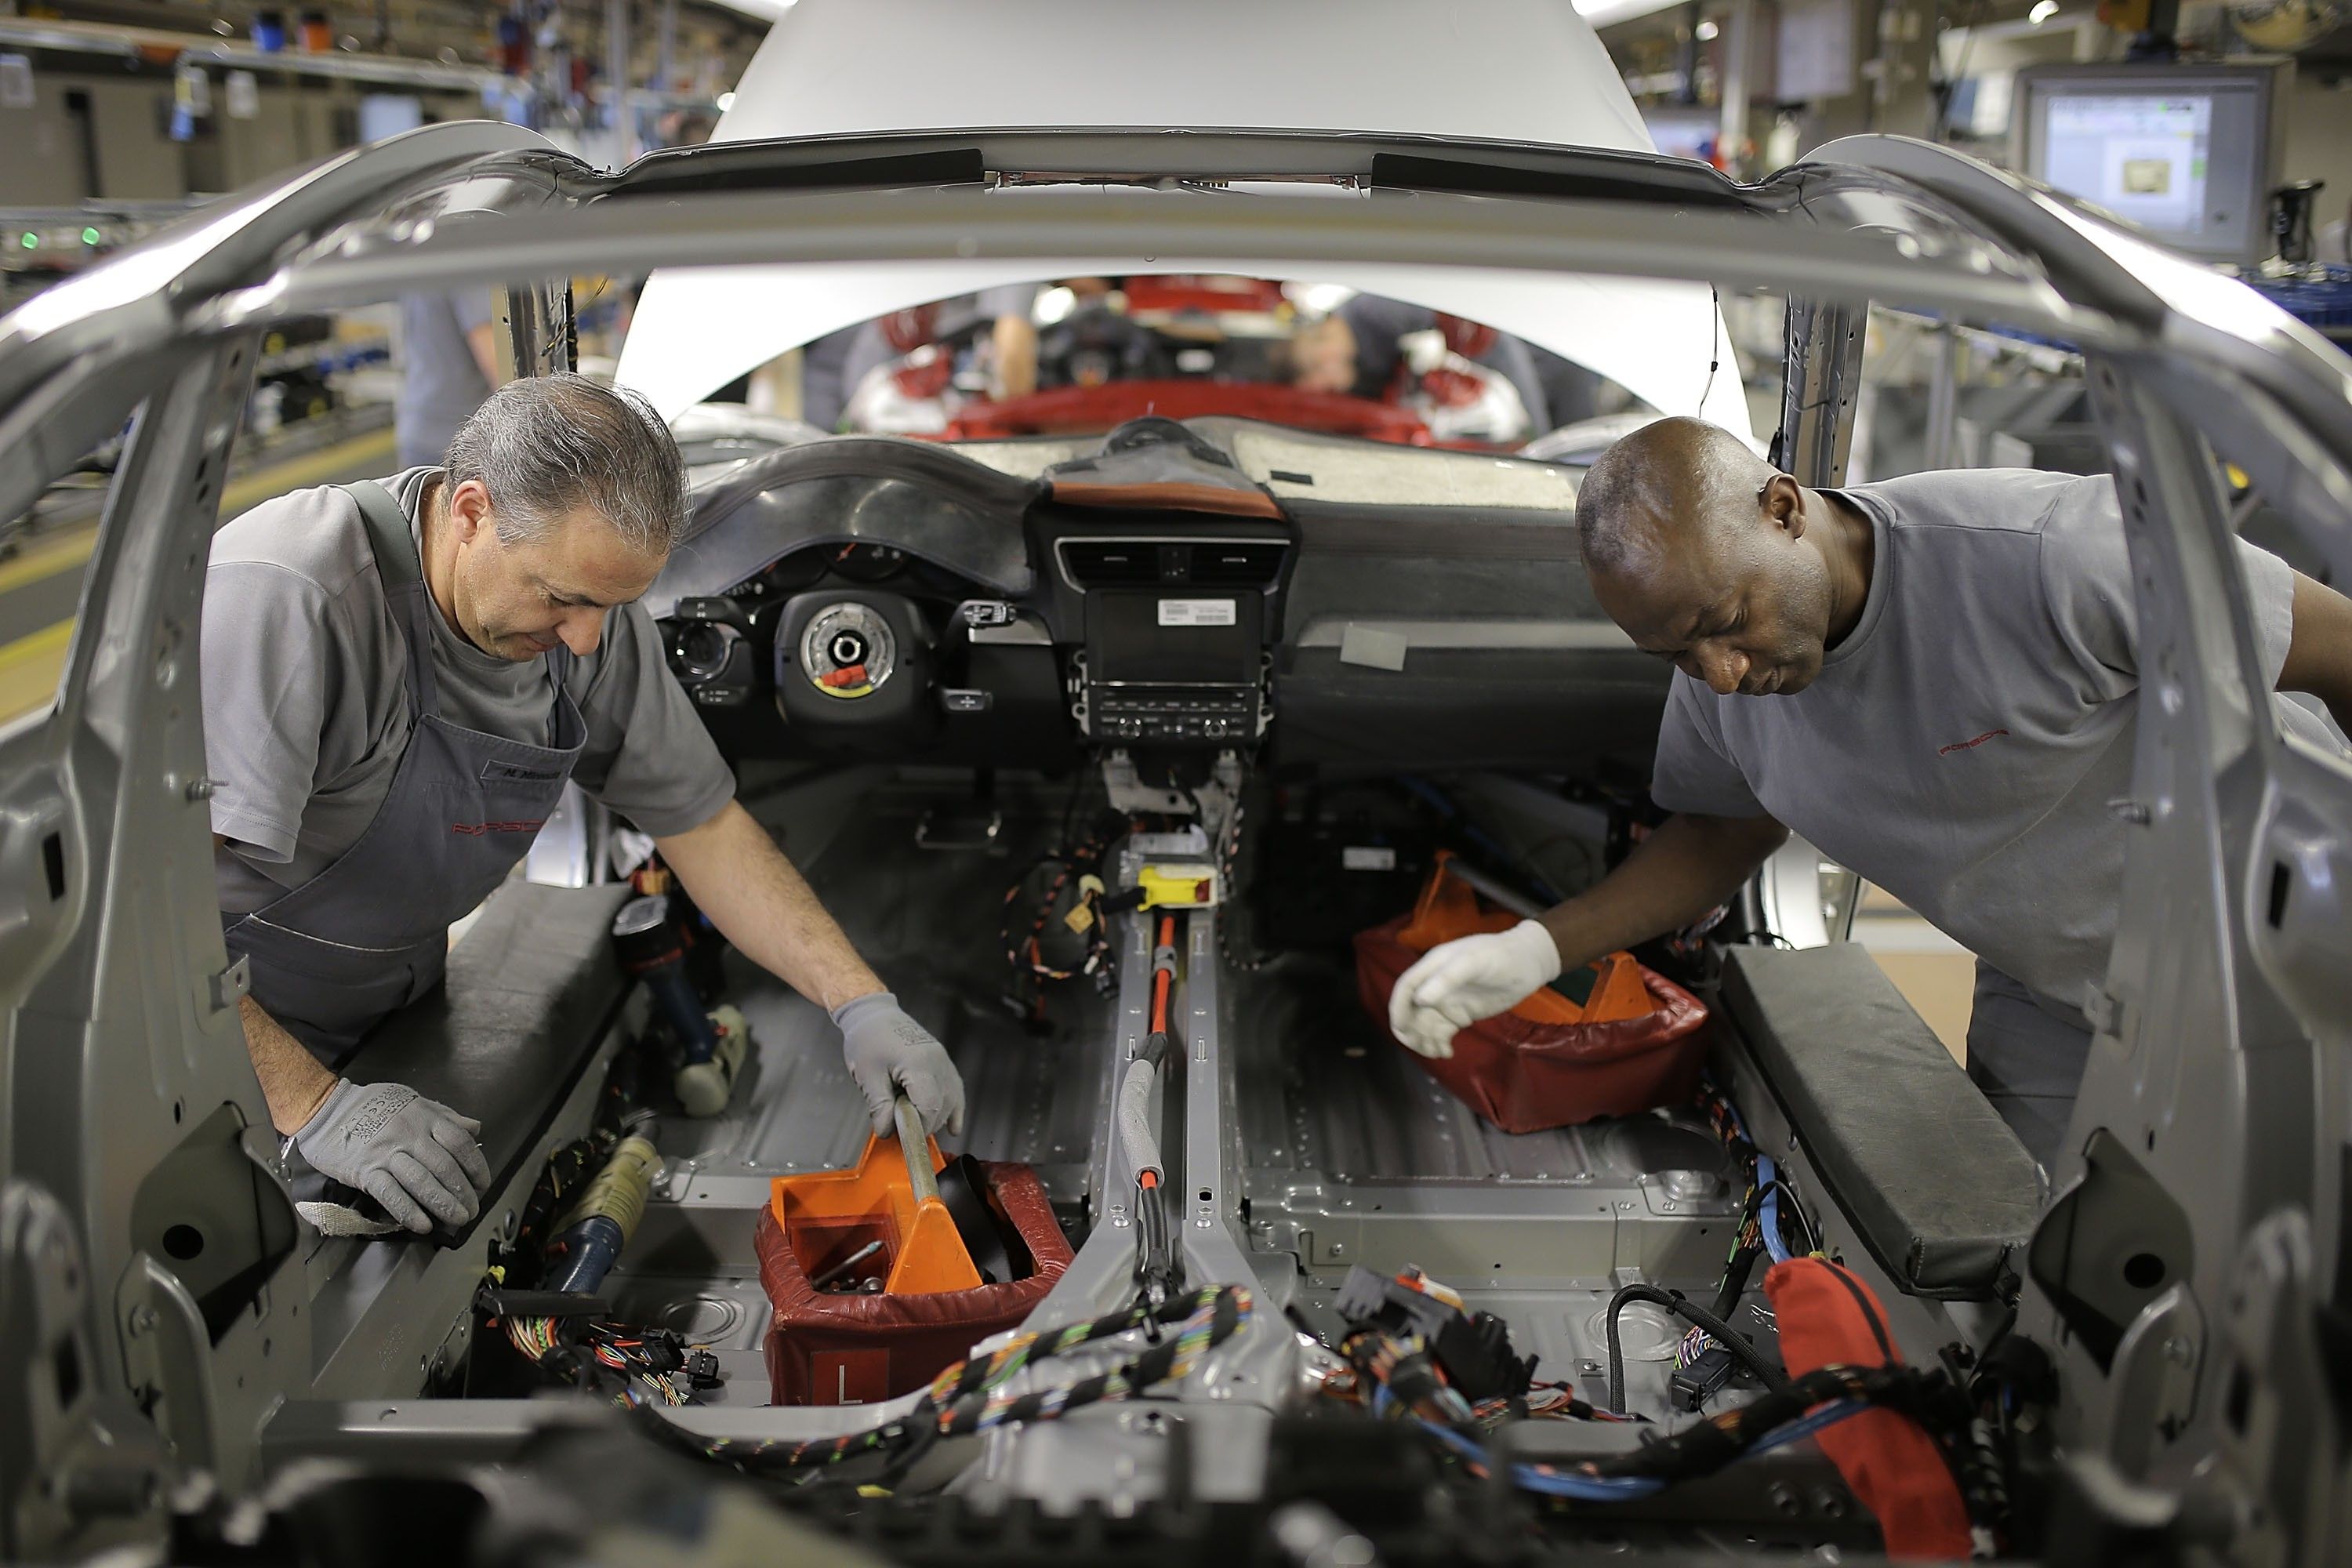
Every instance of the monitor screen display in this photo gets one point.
(1189, 639)
(2185, 153)
(2143, 158)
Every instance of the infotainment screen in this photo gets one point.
(1190, 638)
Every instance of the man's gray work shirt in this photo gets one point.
(441, 382)
(305, 710)
(1959, 748)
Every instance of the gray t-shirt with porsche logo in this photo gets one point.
(1960, 747)
(306, 712)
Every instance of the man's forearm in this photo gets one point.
(1686, 868)
(293, 1083)
(760, 902)
(2319, 649)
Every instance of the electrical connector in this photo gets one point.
(1693, 1386)
(702, 1368)
(1474, 1348)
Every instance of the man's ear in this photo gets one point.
(469, 509)
(1783, 502)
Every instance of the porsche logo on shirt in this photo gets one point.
(1970, 744)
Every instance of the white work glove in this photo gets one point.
(410, 1154)
(888, 1053)
(1458, 983)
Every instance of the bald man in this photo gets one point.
(1933, 679)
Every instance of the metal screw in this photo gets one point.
(1339, 1249)
(199, 789)
(1588, 1368)
(2123, 808)
(2179, 1352)
(142, 1319)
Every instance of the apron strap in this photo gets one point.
(403, 583)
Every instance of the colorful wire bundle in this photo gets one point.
(537, 1340)
(970, 1396)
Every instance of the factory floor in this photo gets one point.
(41, 578)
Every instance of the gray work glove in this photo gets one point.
(410, 1154)
(889, 1052)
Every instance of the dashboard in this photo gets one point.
(1174, 591)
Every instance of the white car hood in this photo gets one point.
(1521, 70)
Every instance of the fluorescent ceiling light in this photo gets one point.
(2042, 11)
(759, 10)
(1609, 13)
(1706, 31)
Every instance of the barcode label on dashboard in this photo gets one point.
(1198, 613)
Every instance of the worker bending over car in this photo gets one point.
(1933, 679)
(399, 676)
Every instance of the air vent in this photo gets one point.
(1234, 563)
(1112, 564)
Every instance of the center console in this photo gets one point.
(1179, 657)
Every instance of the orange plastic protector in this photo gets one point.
(1827, 1316)
(926, 1254)
(824, 1348)
(1525, 1075)
(1450, 908)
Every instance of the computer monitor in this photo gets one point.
(2189, 153)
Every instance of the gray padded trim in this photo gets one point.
(1940, 1190)
(529, 991)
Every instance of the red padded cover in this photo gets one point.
(1828, 1317)
(1525, 1077)
(826, 1349)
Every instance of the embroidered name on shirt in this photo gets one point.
(1967, 745)
(476, 829)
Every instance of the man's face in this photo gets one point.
(1744, 607)
(1323, 356)
(519, 600)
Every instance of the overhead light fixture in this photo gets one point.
(1600, 13)
(2042, 11)
(759, 10)
(1708, 31)
(726, 101)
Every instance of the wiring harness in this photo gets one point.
(1403, 1386)
(645, 1364)
(972, 1396)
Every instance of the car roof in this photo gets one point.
(1529, 72)
(1500, 70)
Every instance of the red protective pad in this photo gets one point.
(829, 1349)
(1524, 1076)
(1827, 1316)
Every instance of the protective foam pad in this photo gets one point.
(1940, 1190)
(529, 991)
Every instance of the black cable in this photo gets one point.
(1735, 1280)
(1717, 330)
(1724, 1335)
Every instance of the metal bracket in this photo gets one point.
(231, 984)
(1127, 791)
(2155, 1380)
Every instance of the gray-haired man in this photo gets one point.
(398, 679)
